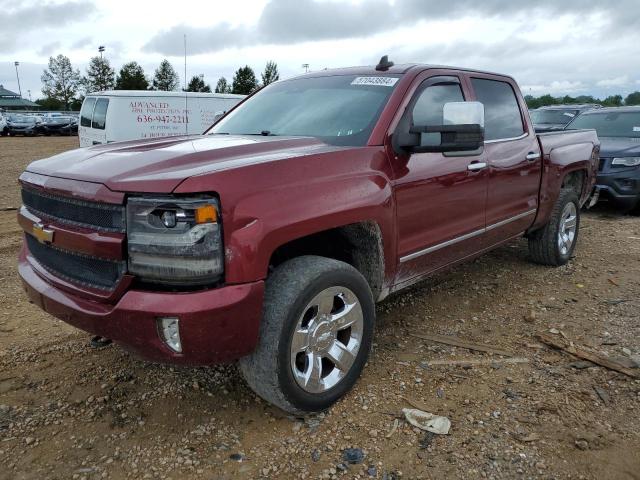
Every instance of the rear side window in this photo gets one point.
(100, 113)
(87, 111)
(502, 118)
(430, 103)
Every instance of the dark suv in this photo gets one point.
(557, 117)
(619, 169)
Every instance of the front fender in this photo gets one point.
(266, 206)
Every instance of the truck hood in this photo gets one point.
(619, 147)
(160, 165)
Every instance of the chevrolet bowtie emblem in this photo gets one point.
(43, 235)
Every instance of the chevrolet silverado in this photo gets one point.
(268, 239)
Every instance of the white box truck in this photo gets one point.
(119, 115)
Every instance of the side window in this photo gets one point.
(87, 111)
(100, 113)
(502, 118)
(428, 108)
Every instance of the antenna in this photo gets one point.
(186, 111)
(384, 64)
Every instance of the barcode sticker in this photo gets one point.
(379, 81)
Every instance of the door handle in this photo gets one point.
(475, 166)
(531, 156)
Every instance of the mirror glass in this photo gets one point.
(463, 113)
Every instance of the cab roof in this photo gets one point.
(401, 69)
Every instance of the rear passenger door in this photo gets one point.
(513, 156)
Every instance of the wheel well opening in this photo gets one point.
(358, 244)
(575, 181)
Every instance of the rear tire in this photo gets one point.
(315, 335)
(554, 243)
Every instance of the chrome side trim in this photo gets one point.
(448, 243)
(524, 135)
(467, 236)
(511, 219)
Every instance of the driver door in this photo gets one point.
(440, 197)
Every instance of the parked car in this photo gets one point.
(60, 125)
(556, 117)
(269, 239)
(618, 129)
(119, 115)
(23, 125)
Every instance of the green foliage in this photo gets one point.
(610, 101)
(613, 101)
(270, 73)
(60, 81)
(165, 77)
(131, 77)
(196, 84)
(222, 86)
(244, 81)
(100, 76)
(632, 99)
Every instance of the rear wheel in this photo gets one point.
(315, 334)
(554, 243)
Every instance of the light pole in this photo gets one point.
(18, 77)
(101, 49)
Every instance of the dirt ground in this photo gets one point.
(70, 411)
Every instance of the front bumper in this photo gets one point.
(216, 326)
(622, 187)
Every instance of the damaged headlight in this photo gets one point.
(175, 241)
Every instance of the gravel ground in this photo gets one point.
(70, 411)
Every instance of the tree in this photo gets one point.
(131, 77)
(270, 73)
(165, 77)
(613, 101)
(244, 81)
(61, 81)
(222, 86)
(100, 75)
(632, 99)
(196, 84)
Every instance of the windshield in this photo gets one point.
(548, 117)
(610, 124)
(340, 110)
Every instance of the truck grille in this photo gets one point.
(99, 216)
(77, 268)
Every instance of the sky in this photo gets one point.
(563, 47)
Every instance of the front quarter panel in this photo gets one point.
(270, 204)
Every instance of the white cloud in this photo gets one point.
(614, 82)
(555, 87)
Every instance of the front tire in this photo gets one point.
(315, 335)
(554, 243)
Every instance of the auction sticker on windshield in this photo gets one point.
(379, 81)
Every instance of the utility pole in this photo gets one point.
(306, 67)
(101, 49)
(18, 77)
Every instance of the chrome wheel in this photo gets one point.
(568, 226)
(326, 339)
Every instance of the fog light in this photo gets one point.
(169, 330)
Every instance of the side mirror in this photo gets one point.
(462, 131)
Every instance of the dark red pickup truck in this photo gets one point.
(269, 238)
